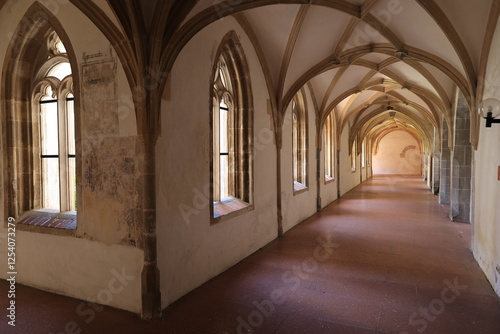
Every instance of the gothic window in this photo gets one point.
(231, 133)
(53, 99)
(329, 147)
(363, 154)
(299, 143)
(43, 189)
(354, 153)
(223, 129)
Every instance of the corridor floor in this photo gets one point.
(383, 259)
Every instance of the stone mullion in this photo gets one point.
(63, 154)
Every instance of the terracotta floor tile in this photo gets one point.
(327, 306)
(308, 326)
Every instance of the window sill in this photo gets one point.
(229, 208)
(48, 221)
(329, 179)
(353, 170)
(299, 188)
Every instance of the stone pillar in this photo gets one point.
(425, 166)
(444, 183)
(150, 293)
(436, 166)
(461, 168)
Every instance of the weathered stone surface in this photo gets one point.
(99, 98)
(461, 169)
(111, 163)
(444, 187)
(436, 170)
(110, 180)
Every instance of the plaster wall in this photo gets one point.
(190, 249)
(398, 154)
(328, 190)
(486, 212)
(109, 275)
(486, 187)
(106, 238)
(368, 173)
(348, 178)
(364, 172)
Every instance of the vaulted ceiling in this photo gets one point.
(358, 58)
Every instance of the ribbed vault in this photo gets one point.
(360, 57)
(357, 57)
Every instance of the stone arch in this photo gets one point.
(238, 70)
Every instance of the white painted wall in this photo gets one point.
(190, 250)
(86, 270)
(388, 159)
(486, 214)
(328, 190)
(348, 178)
(83, 266)
(486, 187)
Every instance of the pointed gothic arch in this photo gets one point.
(231, 167)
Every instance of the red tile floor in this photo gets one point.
(383, 259)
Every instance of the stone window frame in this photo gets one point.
(329, 148)
(354, 153)
(239, 99)
(300, 144)
(31, 51)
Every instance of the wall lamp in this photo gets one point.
(489, 109)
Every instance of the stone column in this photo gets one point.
(461, 168)
(151, 294)
(436, 167)
(444, 184)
